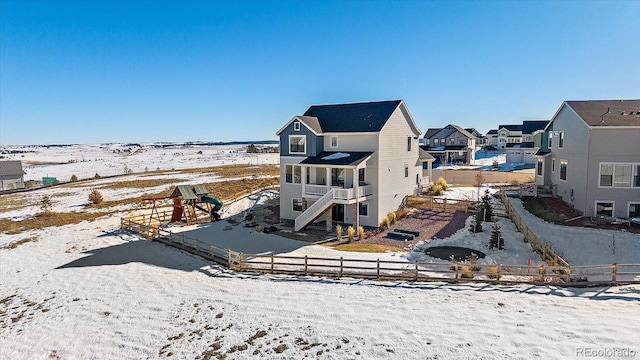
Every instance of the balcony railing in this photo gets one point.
(341, 193)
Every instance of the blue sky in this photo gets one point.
(136, 71)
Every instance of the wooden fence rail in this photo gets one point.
(434, 203)
(560, 275)
(545, 251)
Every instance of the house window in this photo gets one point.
(408, 143)
(298, 205)
(550, 140)
(452, 141)
(606, 174)
(297, 144)
(293, 174)
(361, 177)
(553, 165)
(334, 141)
(634, 210)
(296, 126)
(622, 175)
(619, 175)
(561, 140)
(406, 170)
(363, 209)
(539, 172)
(563, 170)
(604, 208)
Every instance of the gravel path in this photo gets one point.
(430, 224)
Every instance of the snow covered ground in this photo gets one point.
(90, 291)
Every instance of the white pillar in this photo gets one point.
(303, 180)
(356, 190)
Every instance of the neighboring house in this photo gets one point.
(524, 151)
(348, 163)
(591, 155)
(480, 139)
(11, 175)
(451, 145)
(508, 134)
(491, 138)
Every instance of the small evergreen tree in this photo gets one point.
(95, 197)
(486, 208)
(476, 226)
(45, 203)
(74, 178)
(496, 240)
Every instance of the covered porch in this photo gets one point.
(345, 173)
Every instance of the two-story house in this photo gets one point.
(451, 145)
(525, 150)
(348, 163)
(591, 154)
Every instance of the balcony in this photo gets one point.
(345, 194)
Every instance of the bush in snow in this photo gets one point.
(95, 197)
(339, 232)
(74, 178)
(46, 203)
(351, 233)
(442, 182)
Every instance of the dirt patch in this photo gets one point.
(430, 224)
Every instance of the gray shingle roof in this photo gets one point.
(10, 168)
(430, 132)
(531, 126)
(608, 112)
(357, 117)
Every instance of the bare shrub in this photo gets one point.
(442, 182)
(74, 178)
(95, 197)
(361, 233)
(339, 232)
(351, 233)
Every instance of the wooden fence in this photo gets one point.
(453, 272)
(545, 251)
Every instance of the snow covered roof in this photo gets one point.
(338, 158)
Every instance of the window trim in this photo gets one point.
(613, 206)
(561, 140)
(635, 172)
(364, 175)
(366, 207)
(553, 165)
(293, 206)
(566, 168)
(331, 141)
(539, 167)
(629, 203)
(296, 126)
(406, 170)
(304, 145)
(293, 174)
(409, 140)
(550, 141)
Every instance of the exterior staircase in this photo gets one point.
(315, 210)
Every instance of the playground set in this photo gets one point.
(187, 201)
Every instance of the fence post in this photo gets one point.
(567, 271)
(341, 263)
(229, 259)
(306, 264)
(455, 268)
(272, 263)
(444, 204)
(378, 269)
(416, 270)
(614, 271)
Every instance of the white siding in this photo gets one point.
(288, 191)
(393, 186)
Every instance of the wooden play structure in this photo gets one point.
(188, 202)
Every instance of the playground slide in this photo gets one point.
(217, 204)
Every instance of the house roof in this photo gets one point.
(463, 131)
(511, 127)
(531, 126)
(492, 132)
(447, 148)
(474, 132)
(351, 158)
(311, 122)
(423, 155)
(607, 112)
(522, 145)
(542, 153)
(357, 117)
(12, 167)
(186, 191)
(430, 132)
